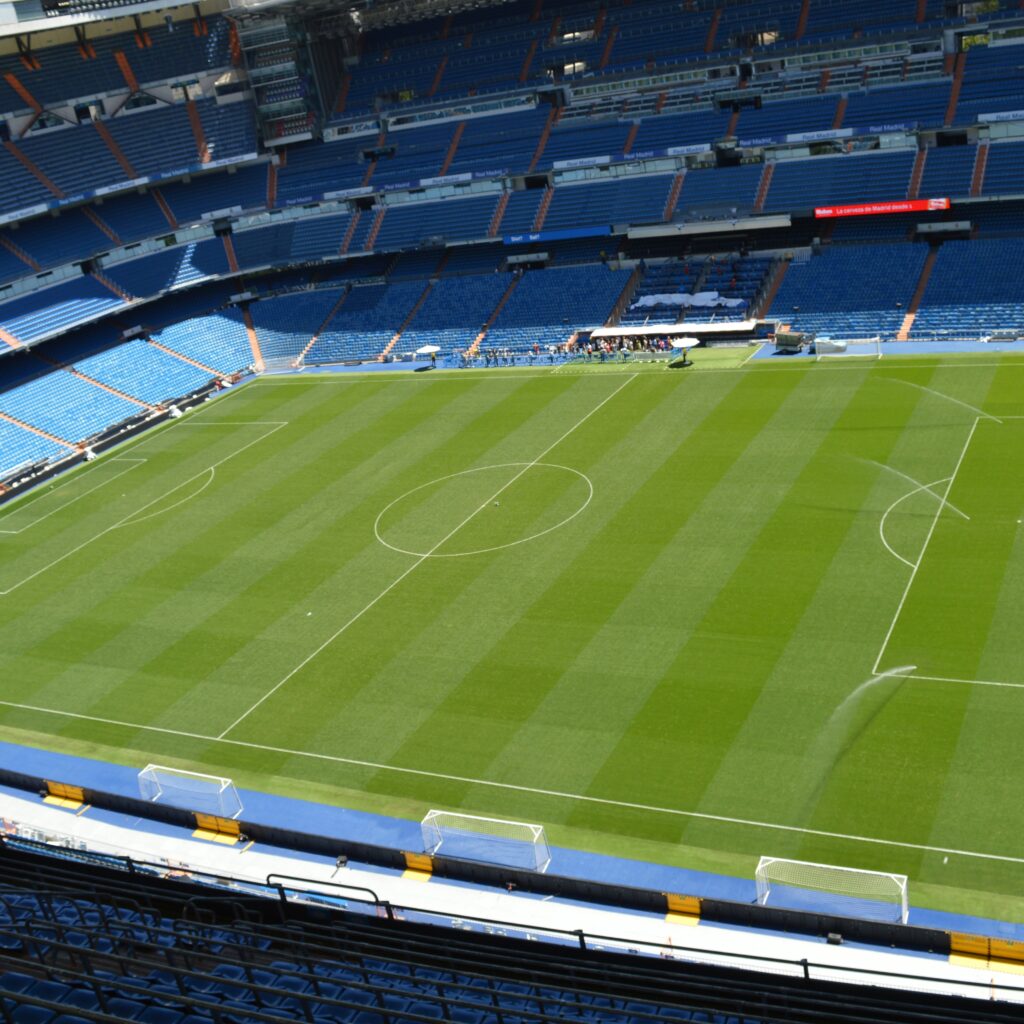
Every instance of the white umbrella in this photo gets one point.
(685, 343)
(427, 350)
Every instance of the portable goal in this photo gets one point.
(191, 791)
(491, 840)
(825, 888)
(832, 348)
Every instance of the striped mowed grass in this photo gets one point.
(630, 606)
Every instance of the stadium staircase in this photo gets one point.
(115, 149)
(542, 141)
(229, 252)
(110, 390)
(271, 186)
(406, 322)
(202, 149)
(914, 188)
(378, 220)
(956, 85)
(801, 21)
(709, 39)
(840, 114)
(606, 54)
(100, 223)
(323, 326)
(16, 84)
(185, 359)
(254, 342)
(631, 138)
(9, 339)
(489, 323)
(903, 334)
(625, 297)
(763, 185)
(111, 285)
(499, 212)
(16, 250)
(30, 166)
(453, 147)
(673, 197)
(439, 74)
(542, 210)
(164, 207)
(38, 432)
(127, 72)
(772, 286)
(350, 232)
(978, 173)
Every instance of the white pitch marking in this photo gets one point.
(170, 508)
(757, 348)
(582, 797)
(948, 398)
(126, 519)
(498, 547)
(422, 558)
(968, 682)
(924, 547)
(135, 463)
(917, 484)
(885, 516)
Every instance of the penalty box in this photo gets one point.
(152, 478)
(959, 618)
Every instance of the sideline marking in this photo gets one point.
(498, 547)
(420, 559)
(967, 682)
(582, 797)
(37, 497)
(924, 547)
(938, 394)
(129, 519)
(898, 501)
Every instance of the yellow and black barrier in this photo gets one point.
(60, 794)
(682, 909)
(418, 866)
(967, 950)
(216, 829)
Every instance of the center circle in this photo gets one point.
(469, 499)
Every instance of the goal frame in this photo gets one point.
(153, 790)
(900, 905)
(484, 830)
(862, 348)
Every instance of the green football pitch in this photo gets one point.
(692, 617)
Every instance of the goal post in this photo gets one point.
(833, 348)
(491, 840)
(829, 889)
(191, 791)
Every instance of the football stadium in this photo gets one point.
(511, 511)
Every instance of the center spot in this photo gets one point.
(484, 509)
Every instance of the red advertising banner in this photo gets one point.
(896, 206)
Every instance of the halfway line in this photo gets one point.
(421, 559)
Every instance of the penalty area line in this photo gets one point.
(536, 791)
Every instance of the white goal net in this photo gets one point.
(492, 840)
(192, 791)
(831, 348)
(825, 888)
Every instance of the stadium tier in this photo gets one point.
(586, 233)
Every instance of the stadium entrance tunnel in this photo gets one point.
(489, 508)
